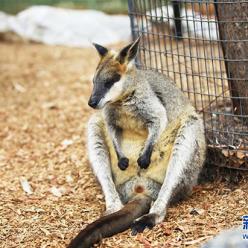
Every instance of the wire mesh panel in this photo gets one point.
(203, 46)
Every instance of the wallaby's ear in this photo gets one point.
(129, 52)
(102, 51)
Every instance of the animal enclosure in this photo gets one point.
(203, 46)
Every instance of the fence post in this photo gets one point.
(134, 27)
(232, 19)
(177, 18)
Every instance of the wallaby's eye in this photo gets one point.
(108, 84)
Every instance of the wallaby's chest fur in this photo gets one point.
(132, 143)
(127, 120)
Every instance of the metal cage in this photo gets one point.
(203, 46)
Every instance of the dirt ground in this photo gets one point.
(43, 115)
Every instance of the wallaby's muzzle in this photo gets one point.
(97, 94)
(93, 102)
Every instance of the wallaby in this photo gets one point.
(146, 146)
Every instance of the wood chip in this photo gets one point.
(56, 191)
(67, 142)
(18, 87)
(26, 186)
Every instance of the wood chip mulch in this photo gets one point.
(48, 192)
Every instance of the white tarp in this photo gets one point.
(4, 22)
(57, 26)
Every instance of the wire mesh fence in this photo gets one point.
(203, 46)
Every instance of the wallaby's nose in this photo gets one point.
(93, 102)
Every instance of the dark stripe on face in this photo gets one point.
(109, 82)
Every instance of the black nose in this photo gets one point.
(93, 102)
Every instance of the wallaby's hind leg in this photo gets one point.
(100, 163)
(184, 166)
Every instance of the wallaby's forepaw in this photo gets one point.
(145, 221)
(144, 161)
(123, 163)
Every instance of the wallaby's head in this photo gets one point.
(109, 78)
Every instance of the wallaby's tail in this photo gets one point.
(109, 225)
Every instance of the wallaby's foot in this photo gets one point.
(145, 221)
(123, 163)
(144, 161)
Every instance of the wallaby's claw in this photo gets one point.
(144, 161)
(123, 163)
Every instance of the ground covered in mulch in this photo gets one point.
(48, 192)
